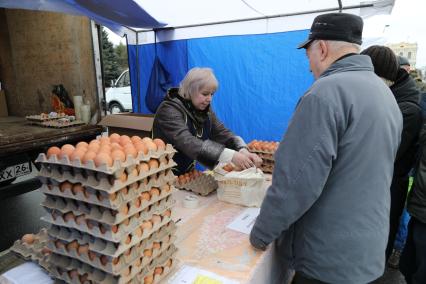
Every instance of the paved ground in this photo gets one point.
(391, 276)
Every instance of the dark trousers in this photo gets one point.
(301, 279)
(399, 188)
(412, 263)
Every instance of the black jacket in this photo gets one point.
(408, 98)
(171, 124)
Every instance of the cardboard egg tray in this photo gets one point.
(134, 274)
(266, 156)
(115, 265)
(117, 168)
(39, 118)
(103, 214)
(103, 181)
(98, 197)
(33, 251)
(202, 185)
(110, 249)
(93, 228)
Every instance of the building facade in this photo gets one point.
(406, 49)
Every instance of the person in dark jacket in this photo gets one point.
(328, 206)
(186, 120)
(403, 87)
(412, 263)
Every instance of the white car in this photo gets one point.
(119, 96)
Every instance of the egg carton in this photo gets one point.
(101, 181)
(98, 197)
(62, 265)
(40, 118)
(73, 230)
(102, 214)
(113, 248)
(116, 265)
(203, 185)
(117, 167)
(266, 157)
(166, 267)
(32, 251)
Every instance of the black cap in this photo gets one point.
(335, 26)
(384, 61)
(403, 61)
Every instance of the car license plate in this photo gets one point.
(15, 171)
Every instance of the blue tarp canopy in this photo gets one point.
(250, 45)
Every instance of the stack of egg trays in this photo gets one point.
(98, 213)
(268, 160)
(202, 185)
(33, 251)
(62, 267)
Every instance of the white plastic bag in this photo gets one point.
(244, 188)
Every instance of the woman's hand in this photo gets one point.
(242, 161)
(253, 157)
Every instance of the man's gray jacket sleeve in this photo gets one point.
(302, 165)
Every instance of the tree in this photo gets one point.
(109, 60)
(121, 51)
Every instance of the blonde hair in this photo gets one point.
(196, 79)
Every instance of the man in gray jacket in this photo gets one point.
(328, 205)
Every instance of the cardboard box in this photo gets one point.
(3, 104)
(129, 124)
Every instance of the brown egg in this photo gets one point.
(66, 185)
(59, 244)
(28, 238)
(148, 279)
(146, 139)
(66, 150)
(92, 255)
(83, 249)
(128, 252)
(160, 144)
(156, 245)
(115, 260)
(80, 219)
(84, 278)
(126, 271)
(116, 146)
(114, 137)
(89, 156)
(156, 219)
(154, 191)
(145, 196)
(123, 177)
(131, 151)
(124, 139)
(125, 190)
(124, 209)
(104, 260)
(143, 167)
(146, 225)
(82, 145)
(100, 196)
(105, 149)
(94, 142)
(77, 188)
(53, 151)
(118, 155)
(137, 203)
(94, 147)
(102, 159)
(135, 139)
(90, 224)
(114, 229)
(168, 213)
(73, 274)
(69, 216)
(112, 196)
(138, 232)
(153, 163)
(102, 229)
(141, 148)
(72, 246)
(166, 188)
(128, 239)
(147, 252)
(168, 263)
(158, 270)
(151, 146)
(46, 251)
